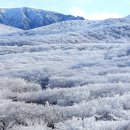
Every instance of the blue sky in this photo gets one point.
(90, 9)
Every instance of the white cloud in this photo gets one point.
(76, 11)
(102, 15)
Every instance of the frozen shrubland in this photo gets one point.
(72, 75)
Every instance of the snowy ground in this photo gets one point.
(63, 81)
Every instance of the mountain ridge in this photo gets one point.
(86, 31)
(29, 18)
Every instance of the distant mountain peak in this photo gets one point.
(29, 18)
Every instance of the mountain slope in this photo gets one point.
(110, 30)
(28, 18)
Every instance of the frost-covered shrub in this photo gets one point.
(31, 127)
(18, 85)
(39, 76)
(11, 87)
(62, 82)
(69, 96)
(91, 124)
(55, 96)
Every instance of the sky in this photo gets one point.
(89, 9)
